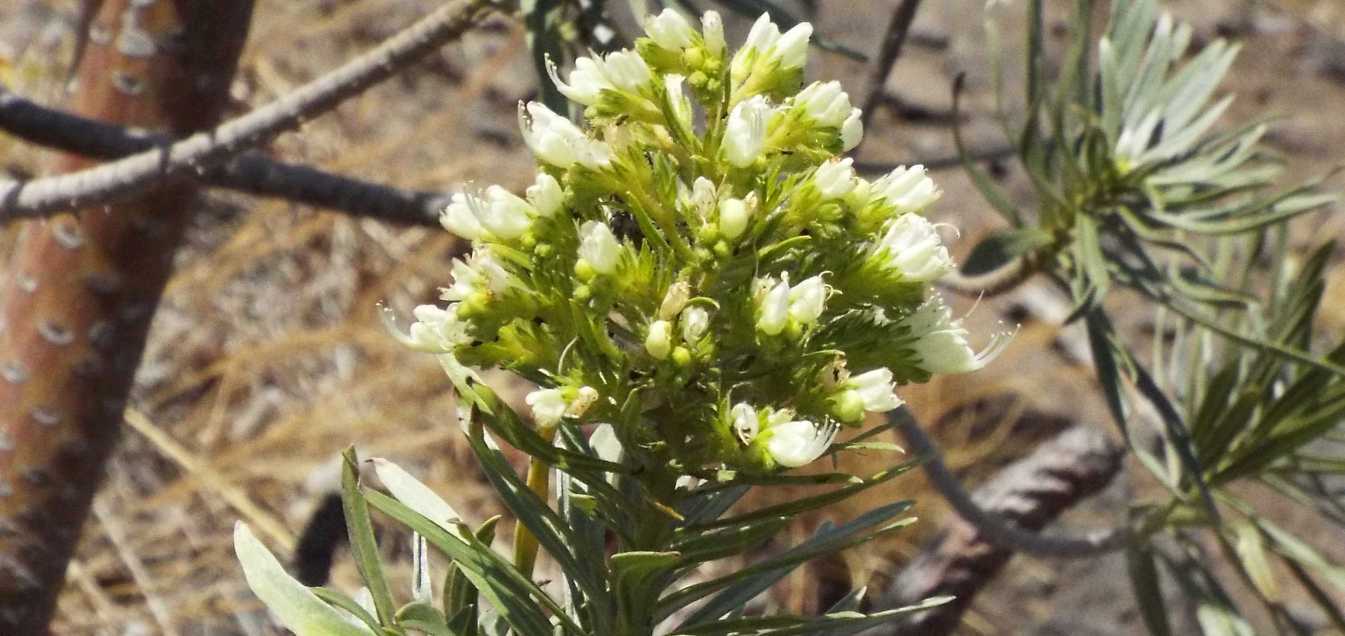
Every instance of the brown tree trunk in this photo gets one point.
(83, 287)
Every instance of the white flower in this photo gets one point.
(695, 322)
(677, 99)
(548, 406)
(745, 132)
(673, 301)
(557, 141)
(735, 214)
(826, 102)
(835, 179)
(659, 341)
(296, 606)
(765, 46)
(941, 341)
(437, 330)
(907, 189)
(480, 273)
(712, 28)
(546, 195)
(745, 422)
(876, 390)
(669, 30)
(700, 198)
(773, 309)
(798, 443)
(807, 300)
(498, 216)
(460, 219)
(620, 71)
(912, 247)
(852, 130)
(599, 247)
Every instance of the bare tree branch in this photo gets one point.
(201, 151)
(897, 29)
(1033, 491)
(993, 528)
(251, 172)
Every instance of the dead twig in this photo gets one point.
(966, 555)
(897, 30)
(202, 151)
(251, 172)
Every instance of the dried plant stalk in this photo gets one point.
(83, 286)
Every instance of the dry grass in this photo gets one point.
(268, 357)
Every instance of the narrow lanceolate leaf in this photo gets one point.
(416, 495)
(1001, 248)
(1148, 589)
(297, 607)
(362, 543)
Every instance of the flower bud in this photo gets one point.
(734, 215)
(669, 30)
(745, 132)
(807, 300)
(546, 195)
(584, 398)
(826, 103)
(507, 217)
(793, 46)
(847, 406)
(773, 311)
(695, 322)
(480, 273)
(852, 130)
(677, 99)
(835, 179)
(659, 341)
(875, 389)
(712, 28)
(907, 189)
(598, 247)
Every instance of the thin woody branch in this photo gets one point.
(201, 151)
(994, 528)
(965, 556)
(251, 172)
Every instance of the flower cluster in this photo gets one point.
(696, 266)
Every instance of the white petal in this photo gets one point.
(746, 423)
(695, 322)
(807, 300)
(852, 130)
(669, 30)
(599, 247)
(546, 195)
(548, 406)
(294, 604)
(793, 46)
(745, 132)
(798, 443)
(459, 218)
(774, 310)
(734, 215)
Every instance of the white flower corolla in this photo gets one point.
(437, 330)
(745, 132)
(940, 341)
(745, 421)
(911, 246)
(620, 71)
(807, 300)
(598, 247)
(695, 322)
(765, 46)
(659, 340)
(673, 301)
(875, 389)
(852, 130)
(835, 179)
(794, 443)
(773, 309)
(735, 214)
(677, 99)
(908, 189)
(712, 30)
(584, 399)
(482, 272)
(826, 103)
(700, 197)
(460, 216)
(546, 195)
(557, 141)
(669, 30)
(548, 406)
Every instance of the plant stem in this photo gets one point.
(539, 482)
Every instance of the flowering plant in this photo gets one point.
(705, 294)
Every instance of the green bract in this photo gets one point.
(696, 266)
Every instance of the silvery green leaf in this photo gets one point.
(297, 607)
(417, 496)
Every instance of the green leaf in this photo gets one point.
(424, 617)
(460, 595)
(1001, 248)
(363, 546)
(297, 607)
(842, 622)
(635, 579)
(1148, 588)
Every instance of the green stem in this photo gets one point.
(539, 482)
